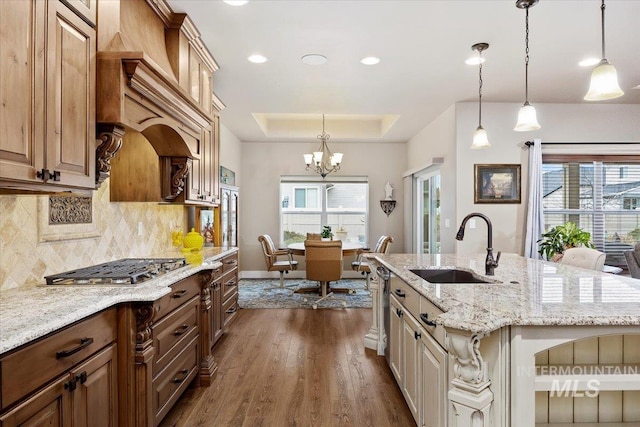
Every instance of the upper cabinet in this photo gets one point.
(155, 83)
(48, 97)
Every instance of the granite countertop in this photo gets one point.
(527, 292)
(31, 312)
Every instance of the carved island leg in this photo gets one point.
(469, 394)
(208, 366)
(372, 338)
(143, 357)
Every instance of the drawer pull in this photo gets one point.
(179, 294)
(82, 378)
(184, 373)
(230, 262)
(231, 283)
(84, 343)
(417, 335)
(425, 318)
(399, 293)
(232, 310)
(399, 313)
(71, 384)
(181, 330)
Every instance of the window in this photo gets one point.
(598, 197)
(342, 205)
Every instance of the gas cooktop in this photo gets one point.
(127, 271)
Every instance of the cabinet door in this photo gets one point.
(224, 217)
(233, 218)
(217, 312)
(21, 89)
(95, 399)
(395, 339)
(49, 407)
(70, 105)
(206, 167)
(433, 382)
(410, 363)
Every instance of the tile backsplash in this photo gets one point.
(25, 259)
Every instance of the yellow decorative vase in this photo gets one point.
(193, 240)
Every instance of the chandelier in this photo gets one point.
(323, 161)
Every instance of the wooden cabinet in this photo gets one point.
(200, 187)
(48, 109)
(433, 382)
(68, 378)
(416, 358)
(229, 289)
(226, 230)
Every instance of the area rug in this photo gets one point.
(264, 293)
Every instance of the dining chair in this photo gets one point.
(271, 254)
(361, 263)
(323, 264)
(633, 261)
(314, 236)
(584, 258)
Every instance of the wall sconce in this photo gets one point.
(388, 204)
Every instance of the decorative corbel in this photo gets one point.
(469, 394)
(110, 137)
(180, 167)
(387, 206)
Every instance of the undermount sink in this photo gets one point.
(448, 275)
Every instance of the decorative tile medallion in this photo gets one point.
(69, 210)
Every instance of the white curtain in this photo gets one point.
(535, 221)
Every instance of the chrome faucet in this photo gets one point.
(490, 264)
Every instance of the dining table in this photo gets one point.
(348, 248)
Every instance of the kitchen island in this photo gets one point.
(504, 341)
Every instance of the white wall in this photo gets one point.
(231, 153)
(559, 123)
(263, 163)
(437, 140)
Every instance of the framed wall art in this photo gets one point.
(497, 183)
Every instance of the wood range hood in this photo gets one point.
(153, 84)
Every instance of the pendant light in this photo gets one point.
(604, 78)
(527, 115)
(480, 139)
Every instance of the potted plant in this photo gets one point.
(326, 232)
(561, 237)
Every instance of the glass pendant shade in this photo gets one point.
(604, 83)
(480, 139)
(527, 119)
(308, 158)
(336, 159)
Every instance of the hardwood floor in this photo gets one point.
(296, 367)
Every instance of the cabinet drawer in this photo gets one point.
(27, 369)
(229, 262)
(230, 309)
(171, 382)
(428, 312)
(229, 285)
(406, 295)
(172, 332)
(181, 292)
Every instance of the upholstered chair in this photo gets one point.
(271, 255)
(584, 258)
(633, 261)
(323, 264)
(361, 263)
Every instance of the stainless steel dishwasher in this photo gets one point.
(385, 276)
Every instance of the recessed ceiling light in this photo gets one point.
(588, 62)
(474, 60)
(257, 59)
(236, 2)
(370, 60)
(314, 59)
(636, 87)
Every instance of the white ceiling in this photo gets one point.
(422, 46)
